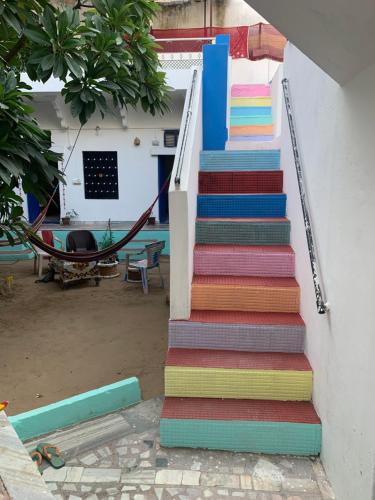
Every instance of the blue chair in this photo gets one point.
(152, 261)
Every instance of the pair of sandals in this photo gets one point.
(49, 452)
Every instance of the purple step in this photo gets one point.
(239, 331)
(244, 260)
(251, 138)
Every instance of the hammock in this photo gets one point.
(89, 256)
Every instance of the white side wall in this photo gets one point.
(137, 165)
(183, 208)
(277, 100)
(335, 127)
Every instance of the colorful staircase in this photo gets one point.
(251, 113)
(236, 377)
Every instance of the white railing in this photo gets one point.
(183, 200)
(182, 59)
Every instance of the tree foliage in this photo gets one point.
(102, 54)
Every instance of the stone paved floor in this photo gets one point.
(133, 466)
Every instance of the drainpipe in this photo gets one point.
(211, 17)
(204, 17)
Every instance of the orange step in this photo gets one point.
(245, 293)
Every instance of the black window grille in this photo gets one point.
(171, 138)
(100, 175)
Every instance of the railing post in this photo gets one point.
(215, 84)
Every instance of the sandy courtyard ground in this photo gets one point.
(54, 343)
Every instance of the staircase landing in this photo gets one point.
(119, 457)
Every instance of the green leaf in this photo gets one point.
(48, 61)
(38, 36)
(49, 22)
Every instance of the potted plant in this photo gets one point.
(70, 214)
(108, 267)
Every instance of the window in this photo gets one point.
(170, 138)
(100, 175)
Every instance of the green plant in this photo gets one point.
(71, 213)
(105, 53)
(107, 241)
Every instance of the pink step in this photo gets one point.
(243, 260)
(250, 90)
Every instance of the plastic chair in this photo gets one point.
(152, 261)
(81, 240)
(40, 256)
(78, 241)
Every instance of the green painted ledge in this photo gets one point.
(77, 409)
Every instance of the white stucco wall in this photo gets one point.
(137, 165)
(246, 71)
(335, 127)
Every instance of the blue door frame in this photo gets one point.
(33, 207)
(165, 165)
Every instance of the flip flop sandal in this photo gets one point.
(38, 459)
(52, 454)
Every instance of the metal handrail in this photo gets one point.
(321, 303)
(177, 179)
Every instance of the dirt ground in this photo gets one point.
(54, 343)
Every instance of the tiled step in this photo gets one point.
(254, 138)
(252, 145)
(243, 231)
(241, 182)
(210, 373)
(240, 160)
(250, 90)
(272, 427)
(239, 331)
(251, 111)
(250, 101)
(243, 260)
(250, 120)
(248, 130)
(245, 293)
(241, 205)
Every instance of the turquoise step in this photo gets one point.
(251, 111)
(243, 231)
(290, 428)
(250, 120)
(265, 159)
(241, 205)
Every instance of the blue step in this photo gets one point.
(243, 206)
(263, 159)
(251, 111)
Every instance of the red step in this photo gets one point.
(240, 409)
(241, 182)
(240, 317)
(207, 358)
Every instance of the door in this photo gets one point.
(53, 212)
(33, 207)
(165, 168)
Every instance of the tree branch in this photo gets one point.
(81, 4)
(15, 49)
